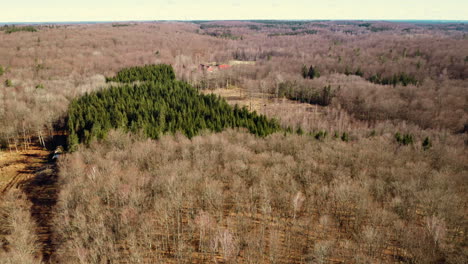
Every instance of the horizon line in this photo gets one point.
(214, 20)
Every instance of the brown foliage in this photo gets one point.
(232, 197)
(56, 64)
(18, 241)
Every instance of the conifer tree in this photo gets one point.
(305, 72)
(311, 73)
(158, 104)
(426, 143)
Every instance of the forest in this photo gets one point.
(281, 199)
(305, 142)
(12, 29)
(158, 106)
(153, 73)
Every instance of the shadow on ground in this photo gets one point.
(42, 191)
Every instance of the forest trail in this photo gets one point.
(33, 172)
(19, 166)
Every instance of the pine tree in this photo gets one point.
(156, 107)
(426, 144)
(299, 131)
(311, 73)
(345, 137)
(305, 72)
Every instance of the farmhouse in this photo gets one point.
(212, 67)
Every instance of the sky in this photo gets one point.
(133, 10)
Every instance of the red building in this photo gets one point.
(224, 66)
(212, 68)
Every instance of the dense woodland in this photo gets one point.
(159, 106)
(12, 29)
(153, 73)
(358, 153)
(236, 198)
(44, 70)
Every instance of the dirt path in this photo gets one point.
(31, 171)
(16, 167)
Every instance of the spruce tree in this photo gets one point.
(311, 73)
(305, 72)
(158, 104)
(426, 143)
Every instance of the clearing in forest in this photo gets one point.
(31, 171)
(19, 166)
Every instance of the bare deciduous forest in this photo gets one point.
(369, 165)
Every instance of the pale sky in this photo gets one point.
(123, 10)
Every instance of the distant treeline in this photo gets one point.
(12, 29)
(282, 22)
(227, 34)
(401, 78)
(295, 33)
(121, 25)
(397, 78)
(294, 91)
(160, 105)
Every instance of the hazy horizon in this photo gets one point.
(183, 10)
(417, 21)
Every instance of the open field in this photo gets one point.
(288, 112)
